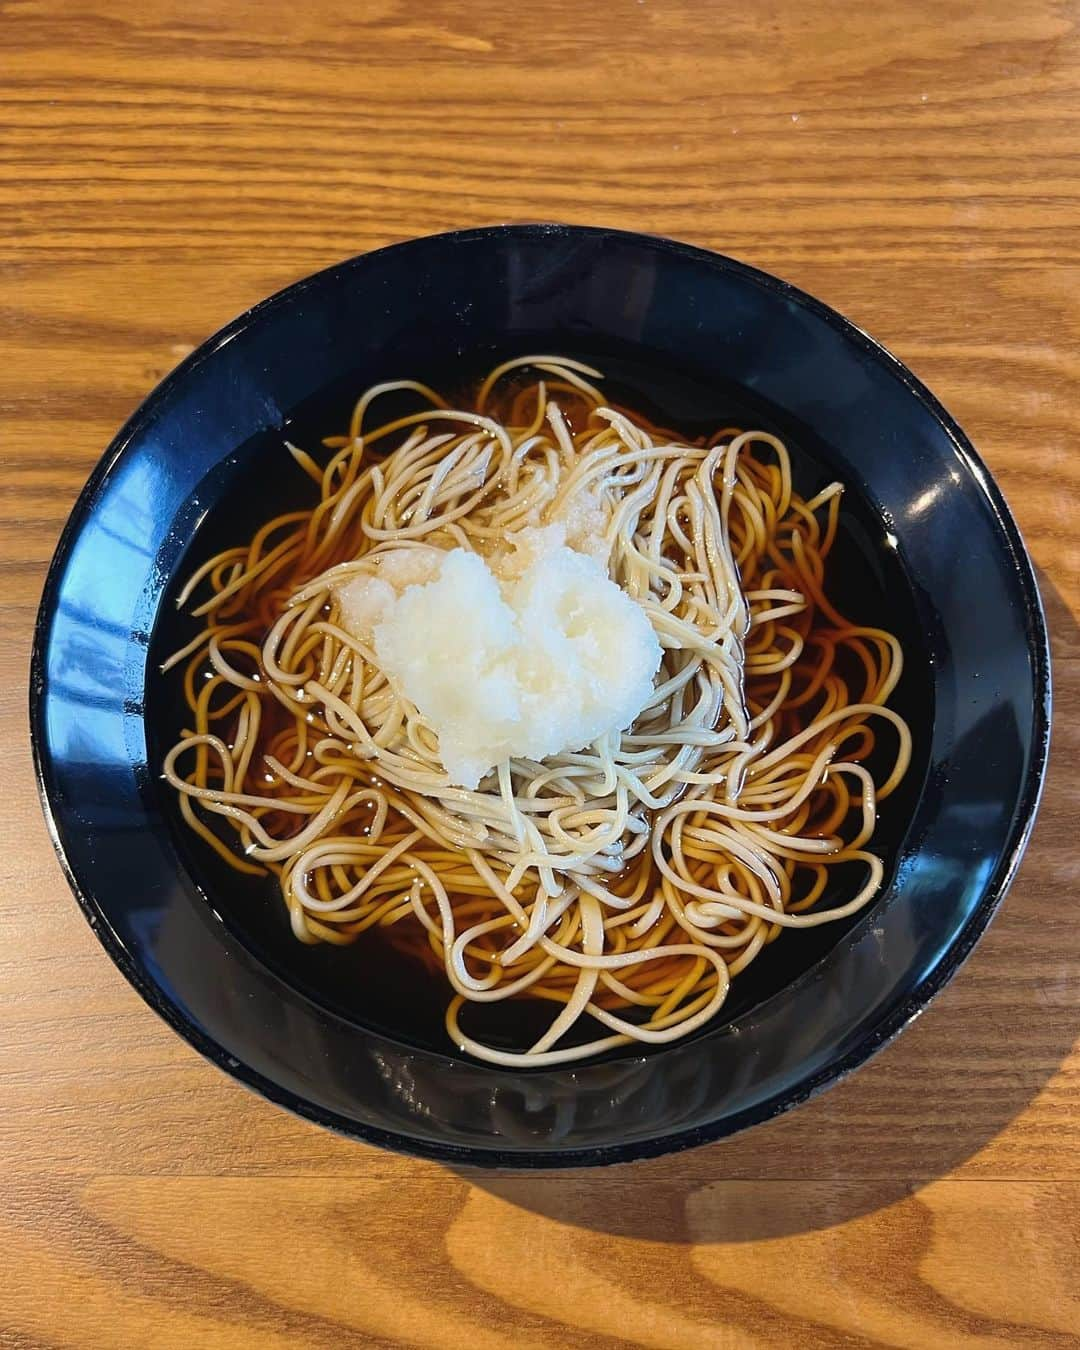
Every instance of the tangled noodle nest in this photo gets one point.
(626, 881)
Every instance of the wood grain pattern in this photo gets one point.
(163, 167)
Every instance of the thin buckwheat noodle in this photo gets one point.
(626, 882)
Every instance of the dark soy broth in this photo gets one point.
(373, 982)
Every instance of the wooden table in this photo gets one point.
(164, 166)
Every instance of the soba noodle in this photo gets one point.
(626, 882)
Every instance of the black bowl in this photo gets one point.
(931, 551)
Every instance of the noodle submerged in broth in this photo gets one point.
(625, 881)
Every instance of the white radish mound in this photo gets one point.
(545, 660)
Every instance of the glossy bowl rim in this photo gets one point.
(877, 1036)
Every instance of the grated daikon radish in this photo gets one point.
(545, 658)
